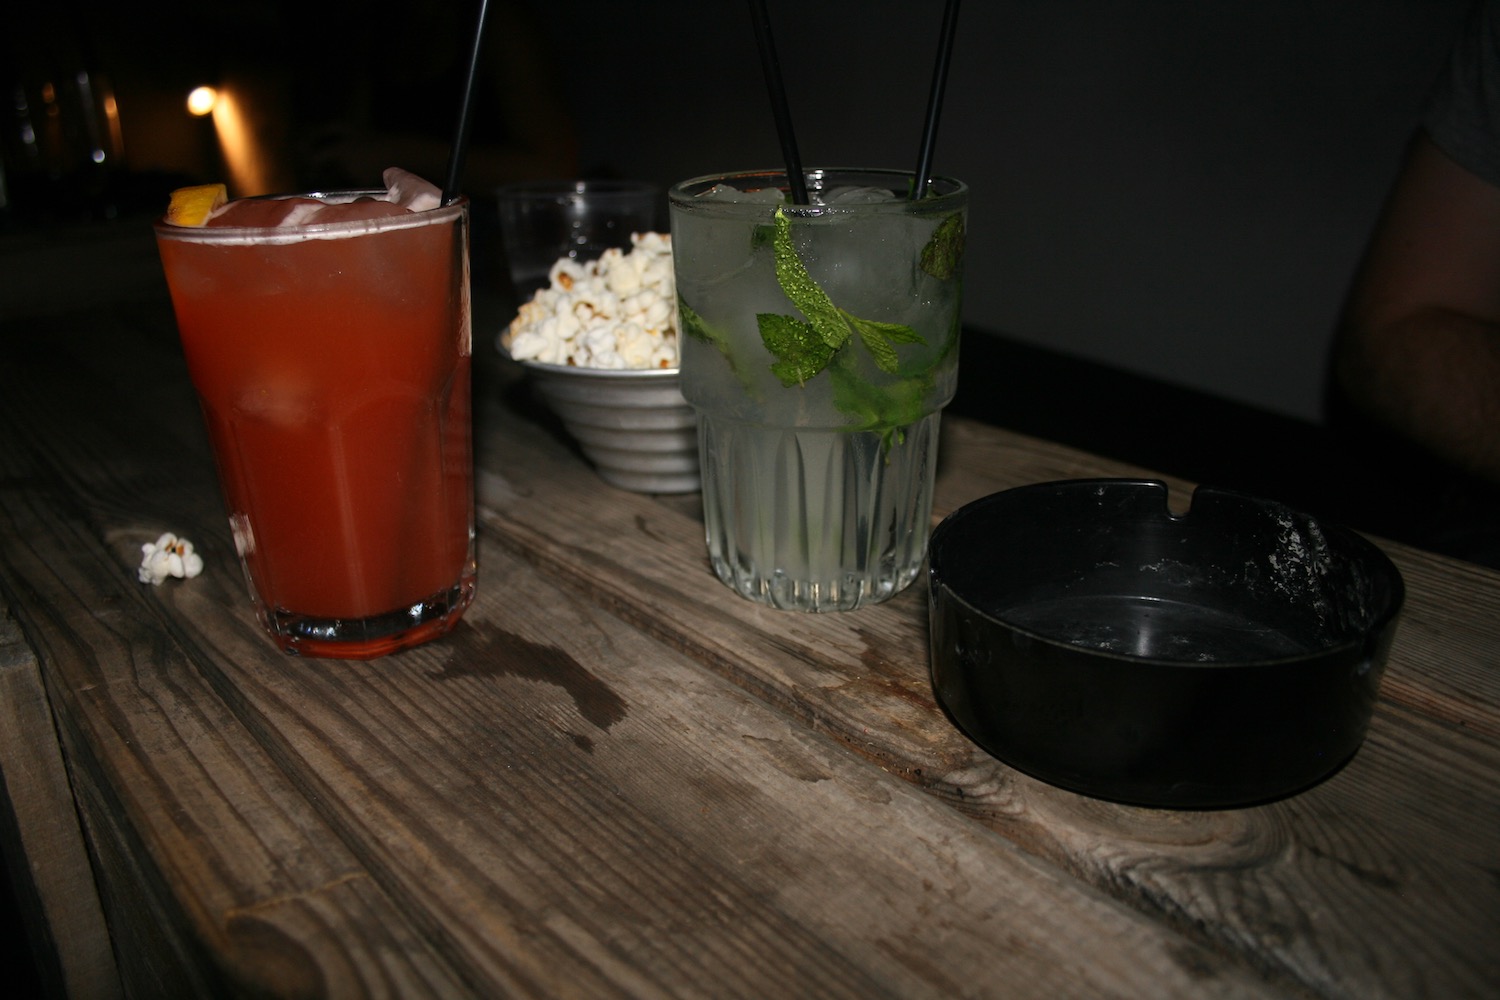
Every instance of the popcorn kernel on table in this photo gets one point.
(168, 556)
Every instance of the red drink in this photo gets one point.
(332, 361)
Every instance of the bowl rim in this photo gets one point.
(1367, 549)
(616, 373)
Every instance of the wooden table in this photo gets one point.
(619, 778)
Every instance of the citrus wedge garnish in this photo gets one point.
(191, 206)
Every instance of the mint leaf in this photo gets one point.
(887, 408)
(805, 348)
(830, 322)
(896, 333)
(879, 339)
(806, 294)
(921, 368)
(880, 349)
(800, 352)
(944, 251)
(762, 237)
(690, 323)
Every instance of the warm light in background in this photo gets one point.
(202, 100)
(245, 157)
(239, 116)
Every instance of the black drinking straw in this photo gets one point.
(460, 147)
(935, 100)
(772, 68)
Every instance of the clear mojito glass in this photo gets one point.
(819, 347)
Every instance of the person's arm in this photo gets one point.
(1419, 350)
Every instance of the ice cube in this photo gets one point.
(410, 191)
(858, 196)
(263, 213)
(280, 399)
(357, 210)
(728, 192)
(405, 192)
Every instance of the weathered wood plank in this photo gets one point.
(560, 800)
(202, 846)
(1399, 845)
(582, 811)
(549, 803)
(196, 832)
(57, 874)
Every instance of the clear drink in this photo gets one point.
(332, 362)
(819, 345)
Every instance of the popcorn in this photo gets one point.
(619, 311)
(168, 556)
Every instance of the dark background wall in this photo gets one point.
(1179, 189)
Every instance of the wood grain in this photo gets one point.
(619, 778)
(55, 883)
(550, 803)
(1399, 845)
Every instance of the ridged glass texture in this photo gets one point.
(816, 520)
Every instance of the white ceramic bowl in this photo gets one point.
(632, 424)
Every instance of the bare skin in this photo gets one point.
(1420, 348)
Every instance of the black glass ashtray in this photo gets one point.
(1083, 632)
